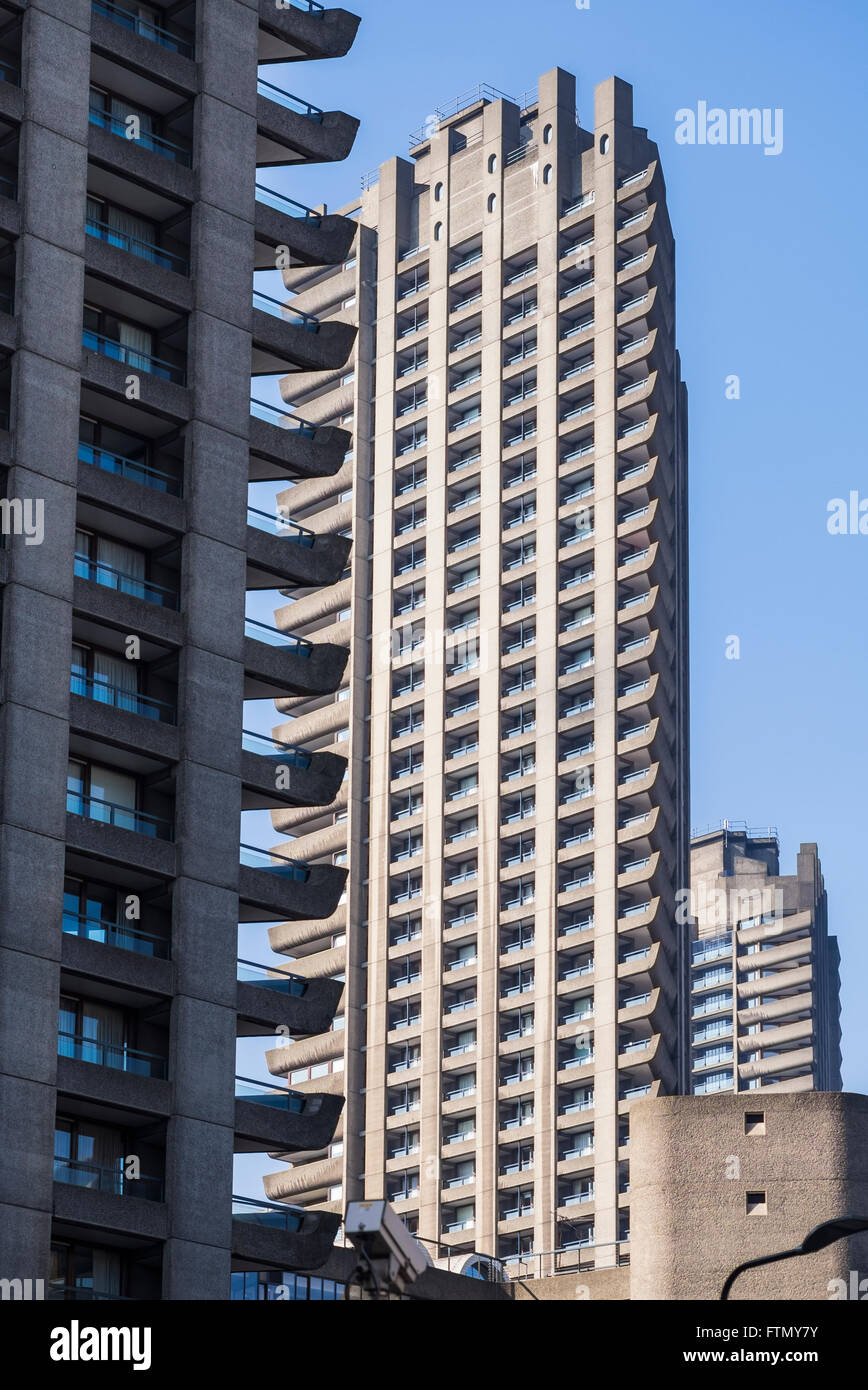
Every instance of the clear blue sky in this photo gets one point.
(765, 291)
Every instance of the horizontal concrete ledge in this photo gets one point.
(147, 57)
(276, 897)
(260, 1246)
(122, 967)
(315, 786)
(434, 1286)
(295, 345)
(276, 559)
(135, 273)
(267, 1009)
(325, 241)
(118, 1088)
(136, 500)
(111, 1211)
(330, 34)
(285, 453)
(262, 1129)
(281, 671)
(317, 142)
(123, 846)
(165, 397)
(122, 728)
(127, 614)
(143, 165)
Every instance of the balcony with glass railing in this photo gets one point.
(269, 862)
(278, 981)
(289, 101)
(133, 357)
(131, 469)
(285, 753)
(98, 1178)
(117, 1056)
(137, 246)
(129, 701)
(94, 808)
(280, 526)
(128, 17)
(260, 1093)
(278, 309)
(145, 139)
(119, 934)
(110, 578)
(271, 1215)
(273, 637)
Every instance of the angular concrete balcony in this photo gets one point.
(136, 272)
(283, 336)
(286, 937)
(87, 1206)
(108, 145)
(271, 887)
(280, 551)
(309, 1178)
(277, 663)
(268, 999)
(150, 47)
(282, 1238)
(124, 955)
(112, 1085)
(269, 1119)
(98, 829)
(326, 1046)
(292, 131)
(107, 722)
(126, 612)
(102, 368)
(276, 774)
(313, 238)
(303, 31)
(283, 446)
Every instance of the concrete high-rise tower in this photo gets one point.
(516, 818)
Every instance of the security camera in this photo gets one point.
(389, 1258)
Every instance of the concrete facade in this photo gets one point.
(136, 215)
(753, 923)
(516, 821)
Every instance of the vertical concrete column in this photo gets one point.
(211, 684)
(37, 615)
(613, 128)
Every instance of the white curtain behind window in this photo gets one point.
(119, 674)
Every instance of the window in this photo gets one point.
(755, 1122)
(548, 135)
(756, 1205)
(438, 231)
(438, 193)
(492, 164)
(605, 142)
(492, 203)
(548, 174)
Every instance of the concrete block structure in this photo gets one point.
(135, 202)
(764, 983)
(515, 824)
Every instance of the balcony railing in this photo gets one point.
(145, 250)
(128, 700)
(118, 1056)
(132, 357)
(279, 310)
(121, 817)
(167, 149)
(128, 468)
(260, 1093)
(272, 637)
(284, 419)
(119, 934)
(111, 578)
(265, 747)
(290, 206)
(281, 526)
(292, 103)
(276, 864)
(280, 981)
(277, 1217)
(77, 1173)
(155, 32)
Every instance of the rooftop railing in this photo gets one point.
(121, 817)
(292, 103)
(131, 469)
(167, 149)
(118, 1056)
(155, 32)
(119, 934)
